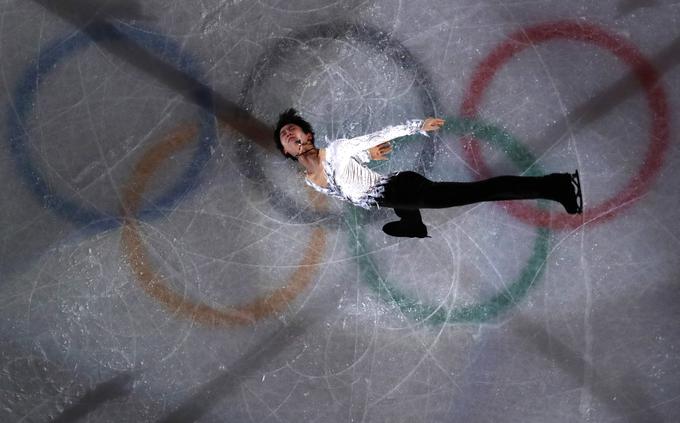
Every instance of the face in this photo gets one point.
(289, 134)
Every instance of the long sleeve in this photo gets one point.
(354, 146)
(363, 156)
(344, 166)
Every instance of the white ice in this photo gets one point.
(96, 327)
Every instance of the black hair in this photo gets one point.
(285, 118)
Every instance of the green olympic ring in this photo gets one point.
(492, 307)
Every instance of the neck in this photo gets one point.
(310, 159)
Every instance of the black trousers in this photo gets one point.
(408, 192)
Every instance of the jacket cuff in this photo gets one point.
(416, 125)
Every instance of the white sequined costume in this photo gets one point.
(348, 177)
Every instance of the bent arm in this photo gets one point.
(363, 156)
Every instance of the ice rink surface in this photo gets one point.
(160, 261)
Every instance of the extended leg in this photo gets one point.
(410, 190)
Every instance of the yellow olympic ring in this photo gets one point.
(154, 284)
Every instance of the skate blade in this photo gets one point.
(576, 181)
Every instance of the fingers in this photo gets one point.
(382, 150)
(433, 123)
(384, 147)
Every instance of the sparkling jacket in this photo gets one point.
(348, 177)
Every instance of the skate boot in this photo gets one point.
(406, 229)
(570, 194)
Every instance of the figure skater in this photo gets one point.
(340, 171)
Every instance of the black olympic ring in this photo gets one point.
(249, 163)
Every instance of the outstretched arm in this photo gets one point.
(365, 142)
(378, 142)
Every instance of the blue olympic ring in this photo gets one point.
(24, 96)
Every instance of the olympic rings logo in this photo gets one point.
(467, 126)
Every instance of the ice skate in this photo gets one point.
(570, 194)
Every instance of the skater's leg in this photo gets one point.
(410, 190)
(500, 188)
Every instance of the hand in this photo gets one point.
(379, 152)
(432, 124)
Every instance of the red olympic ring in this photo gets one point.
(154, 284)
(643, 70)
